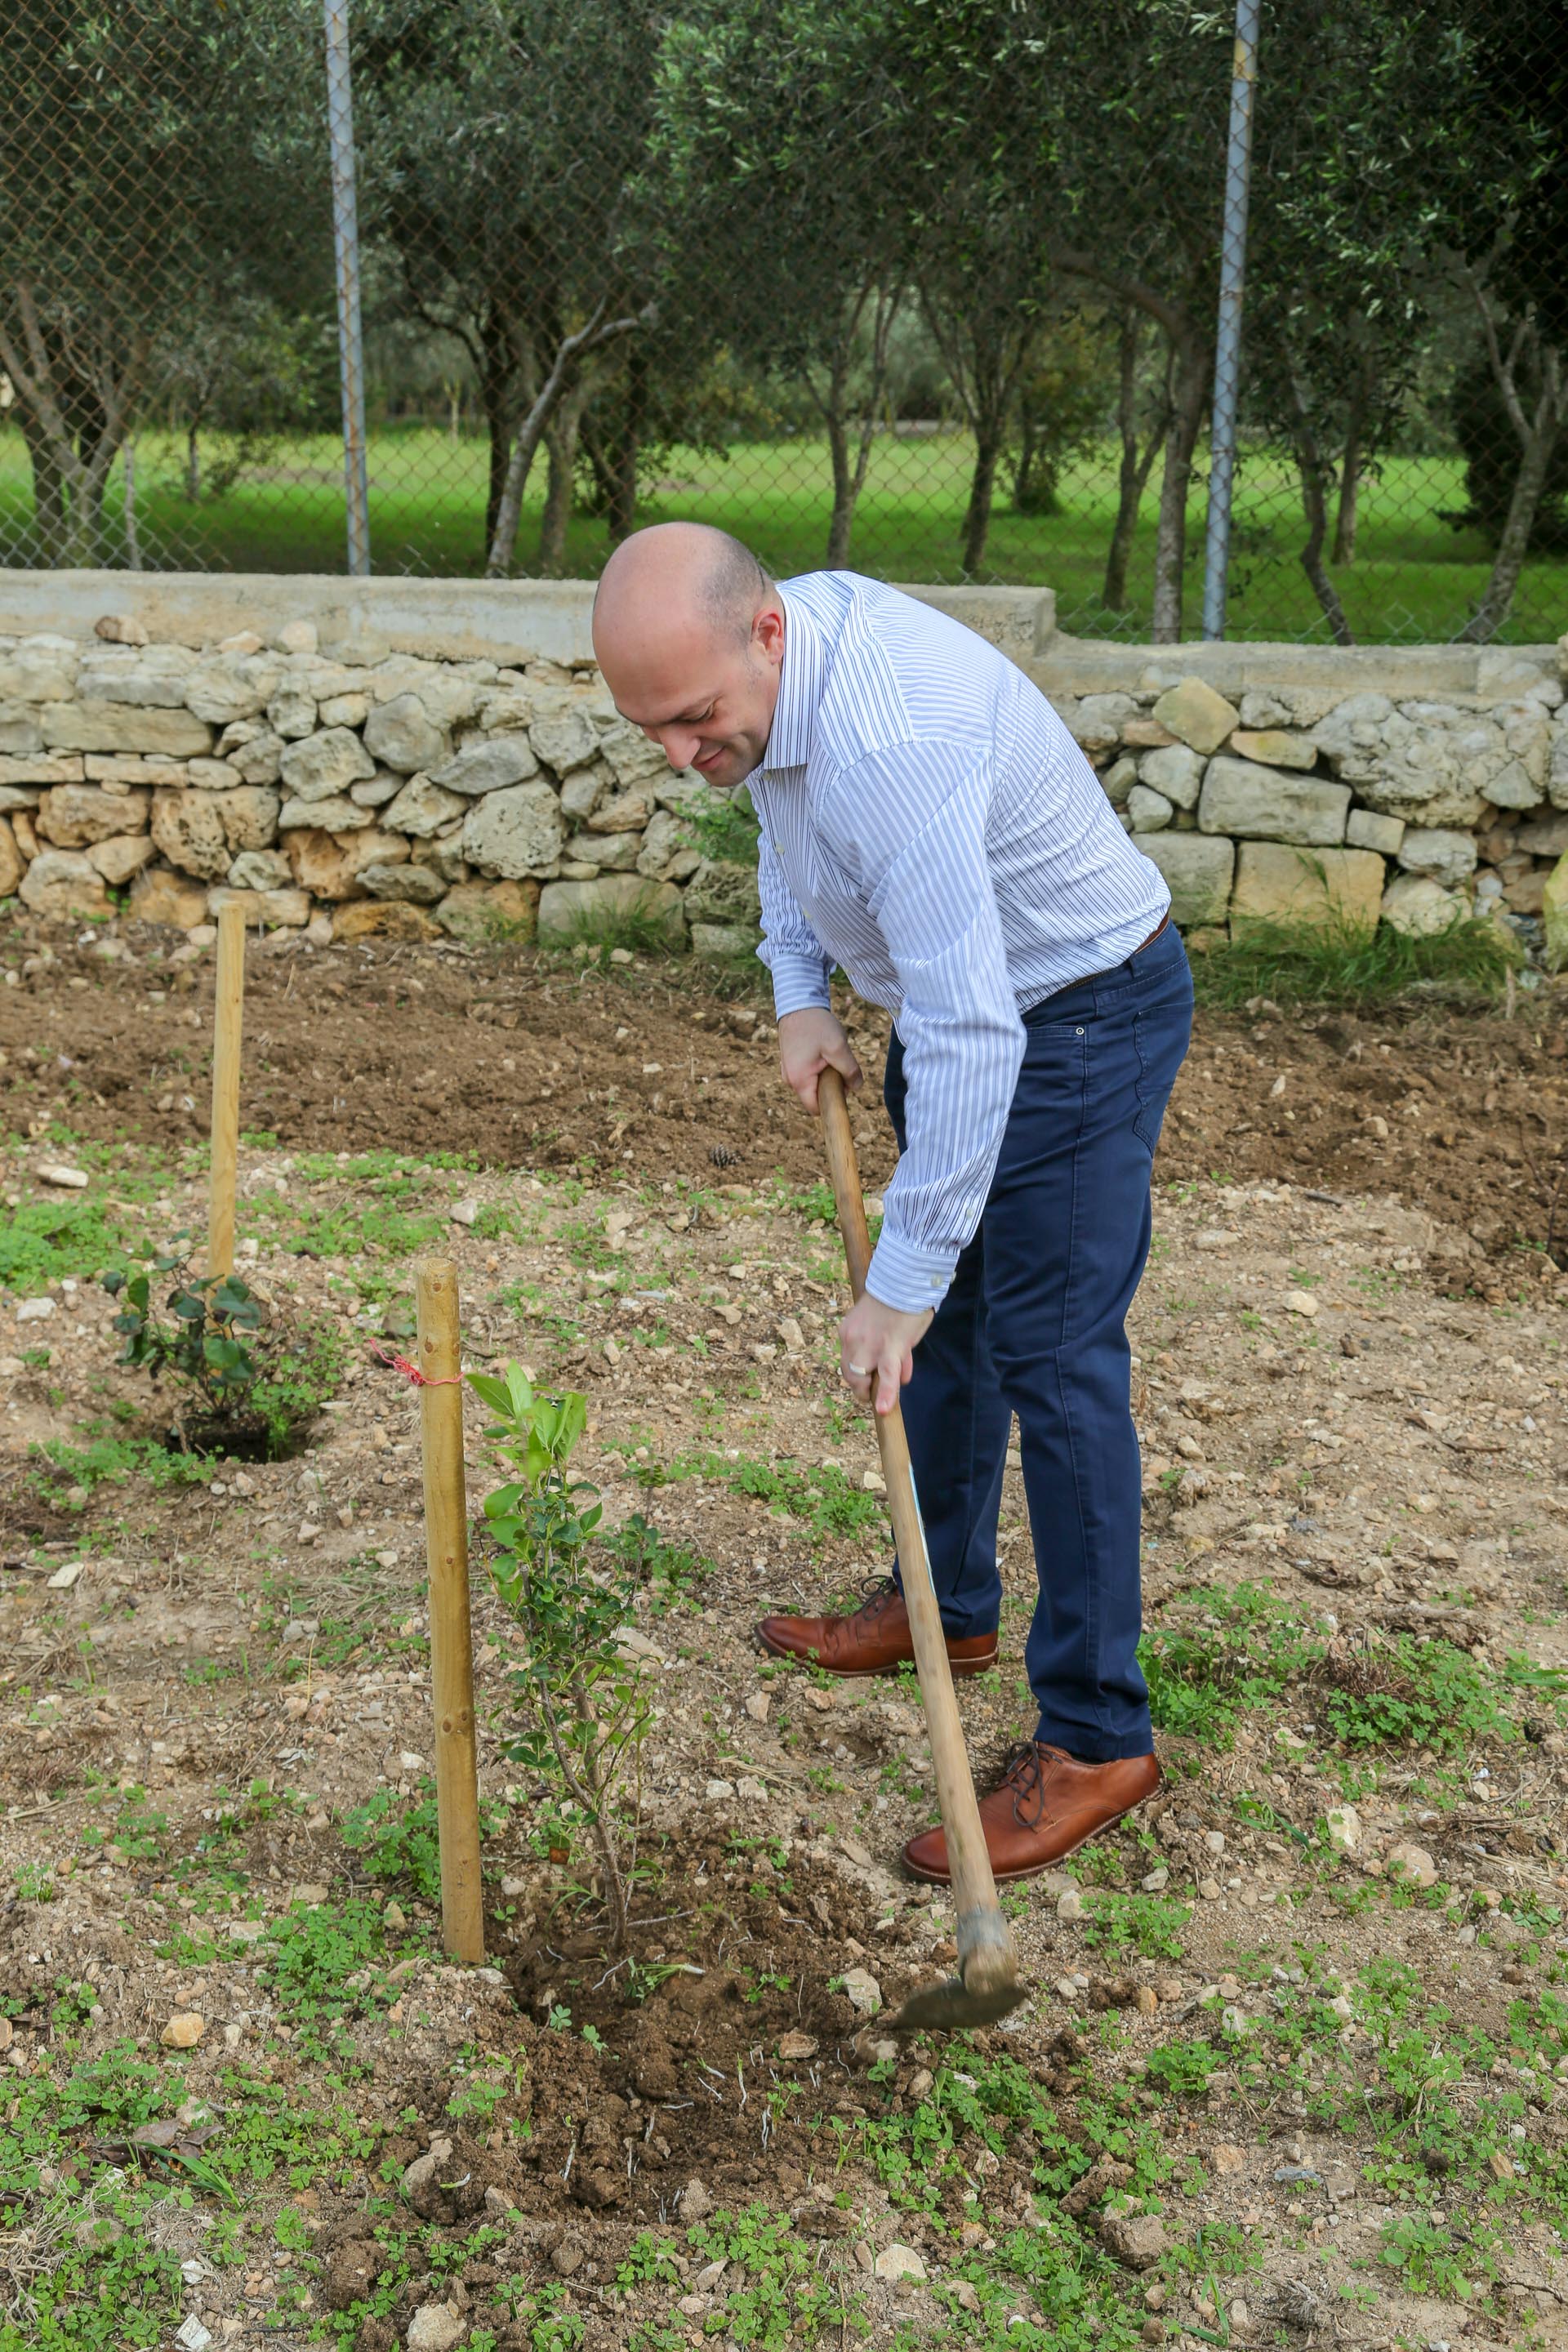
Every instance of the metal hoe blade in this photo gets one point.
(951, 2007)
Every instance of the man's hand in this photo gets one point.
(876, 1345)
(810, 1042)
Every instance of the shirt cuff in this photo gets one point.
(799, 980)
(904, 1275)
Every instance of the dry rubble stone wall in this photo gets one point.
(351, 791)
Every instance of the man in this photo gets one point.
(928, 824)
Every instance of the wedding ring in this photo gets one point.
(861, 1371)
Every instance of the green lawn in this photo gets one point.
(1415, 580)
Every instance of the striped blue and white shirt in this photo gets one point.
(928, 824)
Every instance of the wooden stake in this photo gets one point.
(451, 1639)
(230, 1011)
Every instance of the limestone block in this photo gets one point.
(1437, 850)
(722, 942)
(1148, 811)
(422, 808)
(293, 712)
(1275, 883)
(629, 756)
(46, 768)
(1526, 893)
(1260, 803)
(1117, 780)
(665, 838)
(1554, 915)
(607, 853)
(18, 796)
(1198, 869)
(506, 710)
(325, 764)
(723, 890)
(489, 910)
(416, 883)
(259, 761)
(296, 637)
(13, 864)
(1543, 836)
(1196, 714)
(131, 768)
(330, 867)
(20, 732)
(1557, 766)
(1429, 763)
(260, 869)
(1098, 722)
(1146, 735)
(188, 828)
(514, 831)
(487, 764)
(1274, 747)
(1506, 670)
(73, 816)
(445, 857)
(62, 886)
(375, 791)
(569, 909)
(343, 709)
(403, 735)
(124, 727)
(383, 919)
(223, 687)
(623, 812)
(153, 676)
(337, 814)
(1177, 772)
(1421, 908)
(288, 908)
(1365, 829)
(449, 693)
(39, 669)
(158, 896)
(563, 735)
(249, 814)
(25, 832)
(582, 790)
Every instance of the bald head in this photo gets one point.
(689, 632)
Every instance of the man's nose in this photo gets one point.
(679, 744)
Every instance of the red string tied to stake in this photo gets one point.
(411, 1371)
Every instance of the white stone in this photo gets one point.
(1421, 908)
(403, 735)
(325, 764)
(292, 713)
(1070, 1906)
(487, 766)
(514, 831)
(1148, 812)
(896, 2262)
(191, 2336)
(1260, 803)
(1443, 854)
(1175, 770)
(422, 808)
(1365, 829)
(35, 1310)
(149, 676)
(61, 885)
(69, 1180)
(225, 687)
(435, 2328)
(1343, 1823)
(566, 906)
(565, 739)
(1412, 1863)
(863, 1992)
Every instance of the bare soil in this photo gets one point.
(1350, 1396)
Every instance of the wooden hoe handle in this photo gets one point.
(987, 1961)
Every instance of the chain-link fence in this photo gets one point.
(929, 287)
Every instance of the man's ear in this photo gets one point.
(768, 634)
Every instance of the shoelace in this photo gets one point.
(880, 1592)
(1023, 1771)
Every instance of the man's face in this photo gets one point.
(707, 701)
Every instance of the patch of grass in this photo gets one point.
(1240, 1649)
(397, 1837)
(1146, 1926)
(671, 1573)
(1338, 963)
(641, 928)
(780, 2289)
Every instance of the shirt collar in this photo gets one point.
(802, 676)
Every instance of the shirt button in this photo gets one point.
(779, 847)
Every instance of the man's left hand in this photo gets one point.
(875, 1347)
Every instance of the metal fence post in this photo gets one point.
(345, 238)
(1227, 340)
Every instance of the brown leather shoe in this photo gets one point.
(874, 1641)
(1045, 1806)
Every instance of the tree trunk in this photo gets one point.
(49, 490)
(569, 352)
(132, 538)
(495, 399)
(621, 508)
(192, 462)
(1192, 384)
(1313, 473)
(560, 446)
(1350, 473)
(1135, 470)
(988, 439)
(1497, 599)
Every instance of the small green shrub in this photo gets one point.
(240, 1371)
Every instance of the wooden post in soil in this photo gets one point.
(227, 1024)
(451, 1639)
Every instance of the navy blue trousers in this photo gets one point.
(1035, 1324)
